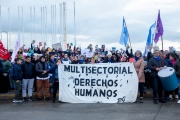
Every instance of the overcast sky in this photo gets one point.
(99, 21)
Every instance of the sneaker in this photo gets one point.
(30, 99)
(24, 99)
(155, 101)
(17, 101)
(162, 100)
(53, 100)
(170, 97)
(141, 100)
(47, 98)
(176, 97)
(178, 102)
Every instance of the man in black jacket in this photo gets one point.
(42, 78)
(17, 77)
(28, 69)
(155, 64)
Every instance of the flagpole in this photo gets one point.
(31, 21)
(22, 25)
(162, 43)
(9, 26)
(74, 26)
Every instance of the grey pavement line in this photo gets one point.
(158, 111)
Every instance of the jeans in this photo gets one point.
(17, 89)
(157, 87)
(12, 85)
(141, 89)
(27, 83)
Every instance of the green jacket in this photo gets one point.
(6, 66)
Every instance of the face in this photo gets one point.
(138, 54)
(171, 58)
(109, 56)
(92, 60)
(65, 56)
(156, 54)
(28, 60)
(19, 62)
(52, 57)
(42, 59)
(75, 58)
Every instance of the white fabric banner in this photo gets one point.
(98, 83)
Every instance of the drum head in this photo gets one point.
(166, 72)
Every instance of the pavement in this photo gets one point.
(46, 110)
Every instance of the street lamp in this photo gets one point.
(7, 37)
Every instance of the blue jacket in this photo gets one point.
(17, 72)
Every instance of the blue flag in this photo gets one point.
(150, 38)
(124, 34)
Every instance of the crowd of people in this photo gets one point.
(37, 71)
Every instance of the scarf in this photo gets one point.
(137, 58)
(157, 58)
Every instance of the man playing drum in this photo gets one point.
(155, 64)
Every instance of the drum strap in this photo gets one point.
(162, 63)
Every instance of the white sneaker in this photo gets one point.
(170, 97)
(17, 101)
(178, 102)
(176, 96)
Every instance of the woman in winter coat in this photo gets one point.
(139, 67)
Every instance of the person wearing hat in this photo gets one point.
(139, 67)
(42, 79)
(155, 64)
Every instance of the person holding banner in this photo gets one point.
(155, 64)
(139, 67)
(75, 60)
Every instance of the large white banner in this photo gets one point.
(98, 83)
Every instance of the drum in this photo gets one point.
(168, 78)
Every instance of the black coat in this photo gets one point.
(28, 70)
(153, 64)
(39, 69)
(17, 72)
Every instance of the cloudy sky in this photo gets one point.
(98, 21)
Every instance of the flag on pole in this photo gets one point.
(4, 54)
(159, 28)
(124, 34)
(16, 48)
(150, 38)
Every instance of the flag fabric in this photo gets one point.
(150, 38)
(16, 48)
(124, 34)
(159, 28)
(4, 54)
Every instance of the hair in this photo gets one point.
(173, 55)
(17, 59)
(139, 52)
(28, 57)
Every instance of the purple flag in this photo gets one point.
(159, 28)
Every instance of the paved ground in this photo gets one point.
(46, 110)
